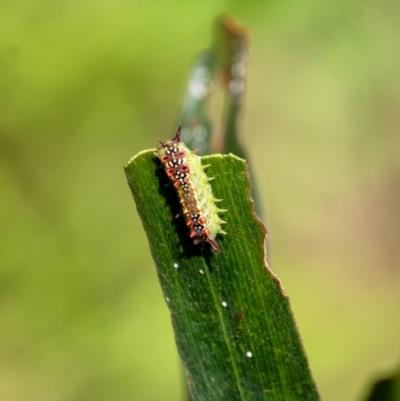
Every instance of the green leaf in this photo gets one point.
(194, 119)
(233, 325)
(234, 70)
(387, 389)
(224, 63)
(236, 40)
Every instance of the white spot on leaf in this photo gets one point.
(197, 89)
(236, 86)
(238, 70)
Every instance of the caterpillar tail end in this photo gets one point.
(214, 244)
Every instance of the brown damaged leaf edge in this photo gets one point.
(264, 229)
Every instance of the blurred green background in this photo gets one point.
(85, 85)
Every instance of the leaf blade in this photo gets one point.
(233, 326)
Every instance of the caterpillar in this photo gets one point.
(186, 172)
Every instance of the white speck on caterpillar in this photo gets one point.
(224, 304)
(201, 271)
(176, 265)
(249, 354)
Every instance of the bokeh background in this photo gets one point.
(84, 85)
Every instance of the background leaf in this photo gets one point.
(223, 66)
(233, 326)
(386, 389)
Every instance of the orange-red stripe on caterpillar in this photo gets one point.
(186, 172)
